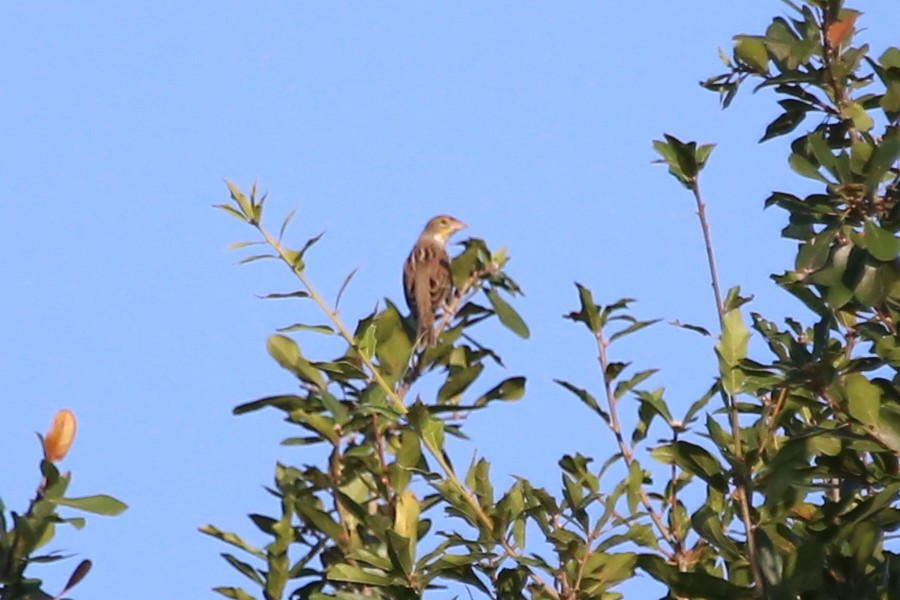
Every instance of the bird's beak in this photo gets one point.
(458, 226)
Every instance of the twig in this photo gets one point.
(741, 480)
(376, 375)
(627, 454)
(707, 241)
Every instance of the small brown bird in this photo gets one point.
(426, 274)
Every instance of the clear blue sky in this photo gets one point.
(530, 121)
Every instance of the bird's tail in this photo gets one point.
(425, 335)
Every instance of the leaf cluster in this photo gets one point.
(23, 535)
(779, 481)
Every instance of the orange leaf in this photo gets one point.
(60, 436)
(839, 31)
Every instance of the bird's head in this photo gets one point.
(440, 228)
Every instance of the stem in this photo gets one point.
(707, 241)
(627, 454)
(741, 480)
(376, 375)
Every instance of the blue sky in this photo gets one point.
(530, 121)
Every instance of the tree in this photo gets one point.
(780, 482)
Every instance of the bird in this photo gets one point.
(426, 274)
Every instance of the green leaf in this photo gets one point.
(250, 259)
(231, 211)
(234, 593)
(585, 397)
(321, 424)
(309, 243)
(694, 459)
(872, 280)
(345, 572)
(685, 160)
(707, 524)
(863, 399)
(695, 328)
(802, 166)
(509, 317)
(400, 550)
(752, 51)
(287, 354)
(691, 584)
(243, 568)
(368, 345)
(408, 455)
(636, 326)
(589, 313)
(287, 403)
(318, 519)
(430, 430)
(814, 254)
(858, 115)
(880, 243)
(284, 224)
(232, 539)
(279, 295)
(884, 156)
(732, 349)
(100, 504)
(784, 124)
(509, 389)
(623, 387)
(326, 329)
(633, 484)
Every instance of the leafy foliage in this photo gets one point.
(790, 458)
(23, 535)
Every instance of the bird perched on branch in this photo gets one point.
(426, 274)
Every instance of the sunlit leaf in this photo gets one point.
(100, 504)
(863, 399)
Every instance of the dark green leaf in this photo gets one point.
(327, 329)
(243, 568)
(691, 584)
(803, 166)
(785, 123)
(509, 389)
(695, 460)
(636, 326)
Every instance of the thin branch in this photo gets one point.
(376, 375)
(627, 454)
(741, 479)
(707, 241)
